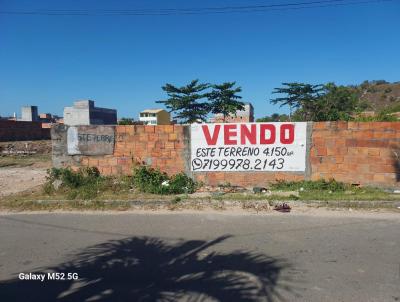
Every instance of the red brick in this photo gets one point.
(396, 126)
(318, 141)
(139, 128)
(172, 137)
(106, 170)
(93, 162)
(383, 168)
(321, 151)
(152, 137)
(179, 129)
(119, 129)
(130, 129)
(373, 151)
(379, 178)
(124, 160)
(149, 129)
(351, 142)
(169, 145)
(352, 125)
(363, 134)
(365, 125)
(319, 125)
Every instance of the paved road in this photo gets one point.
(200, 257)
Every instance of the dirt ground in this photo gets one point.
(19, 179)
(26, 147)
(22, 174)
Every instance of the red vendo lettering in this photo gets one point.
(248, 134)
(272, 134)
(228, 133)
(211, 140)
(289, 130)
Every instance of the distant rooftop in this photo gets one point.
(152, 110)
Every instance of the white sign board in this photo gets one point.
(248, 147)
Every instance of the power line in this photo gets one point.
(191, 11)
(184, 9)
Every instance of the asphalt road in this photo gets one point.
(200, 257)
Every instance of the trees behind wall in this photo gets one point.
(187, 102)
(306, 102)
(322, 102)
(224, 99)
(193, 102)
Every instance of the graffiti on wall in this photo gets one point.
(248, 147)
(90, 140)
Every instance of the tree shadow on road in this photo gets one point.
(150, 269)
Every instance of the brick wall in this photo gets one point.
(361, 153)
(22, 131)
(353, 152)
(157, 146)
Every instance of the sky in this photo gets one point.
(122, 62)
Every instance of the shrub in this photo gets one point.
(154, 181)
(72, 179)
(85, 183)
(181, 183)
(149, 180)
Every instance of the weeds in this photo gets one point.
(86, 183)
(308, 185)
(154, 181)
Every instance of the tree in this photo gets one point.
(186, 102)
(224, 100)
(126, 121)
(275, 117)
(298, 96)
(336, 103)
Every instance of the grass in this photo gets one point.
(88, 190)
(24, 160)
(125, 199)
(316, 195)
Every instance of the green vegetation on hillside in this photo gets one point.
(370, 101)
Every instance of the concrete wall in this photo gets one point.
(241, 116)
(22, 131)
(361, 153)
(85, 113)
(29, 114)
(76, 116)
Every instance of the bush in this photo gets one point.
(72, 179)
(154, 181)
(181, 183)
(85, 183)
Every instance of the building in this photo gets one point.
(29, 114)
(84, 112)
(241, 116)
(155, 117)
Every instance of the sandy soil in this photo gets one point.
(19, 179)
